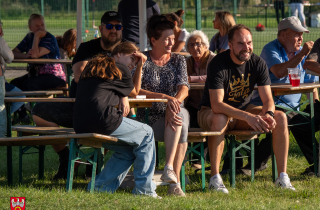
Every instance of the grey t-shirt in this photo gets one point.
(220, 43)
(129, 11)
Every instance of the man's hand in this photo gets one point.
(307, 47)
(31, 53)
(172, 119)
(124, 106)
(271, 122)
(173, 104)
(40, 33)
(257, 123)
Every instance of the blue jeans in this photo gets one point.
(135, 145)
(14, 105)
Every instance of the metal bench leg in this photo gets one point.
(274, 162)
(183, 176)
(41, 161)
(233, 162)
(20, 164)
(314, 142)
(203, 173)
(94, 167)
(73, 148)
(100, 160)
(252, 160)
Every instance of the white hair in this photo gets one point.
(204, 38)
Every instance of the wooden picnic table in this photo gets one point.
(43, 93)
(67, 62)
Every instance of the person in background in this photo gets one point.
(39, 44)
(223, 21)
(6, 56)
(180, 34)
(129, 12)
(61, 114)
(67, 44)
(197, 45)
(279, 5)
(297, 7)
(164, 75)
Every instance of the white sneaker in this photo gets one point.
(169, 176)
(284, 182)
(217, 184)
(156, 196)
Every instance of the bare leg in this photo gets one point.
(171, 139)
(280, 136)
(217, 122)
(180, 154)
(43, 123)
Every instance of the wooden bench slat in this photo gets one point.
(46, 140)
(42, 130)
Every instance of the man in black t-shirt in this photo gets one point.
(231, 77)
(61, 114)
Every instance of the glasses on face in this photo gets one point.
(110, 26)
(197, 44)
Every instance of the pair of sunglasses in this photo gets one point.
(110, 26)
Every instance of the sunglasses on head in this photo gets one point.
(109, 26)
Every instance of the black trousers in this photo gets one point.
(302, 134)
(279, 5)
(40, 82)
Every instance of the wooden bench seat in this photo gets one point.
(54, 135)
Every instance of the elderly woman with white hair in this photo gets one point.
(198, 47)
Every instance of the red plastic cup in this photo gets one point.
(294, 76)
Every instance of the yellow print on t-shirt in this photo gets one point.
(239, 88)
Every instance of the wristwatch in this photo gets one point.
(270, 113)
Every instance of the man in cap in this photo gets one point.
(282, 53)
(61, 114)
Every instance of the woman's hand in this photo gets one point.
(141, 58)
(172, 119)
(124, 106)
(173, 104)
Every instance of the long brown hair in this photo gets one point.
(67, 41)
(104, 66)
(226, 21)
(177, 16)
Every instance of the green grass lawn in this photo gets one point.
(46, 194)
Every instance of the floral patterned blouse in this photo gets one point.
(162, 79)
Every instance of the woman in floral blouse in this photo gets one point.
(164, 75)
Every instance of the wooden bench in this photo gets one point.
(52, 135)
(244, 136)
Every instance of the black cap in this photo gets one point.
(110, 16)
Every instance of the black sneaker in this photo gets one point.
(62, 172)
(247, 169)
(308, 172)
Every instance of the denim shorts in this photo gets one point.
(60, 113)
